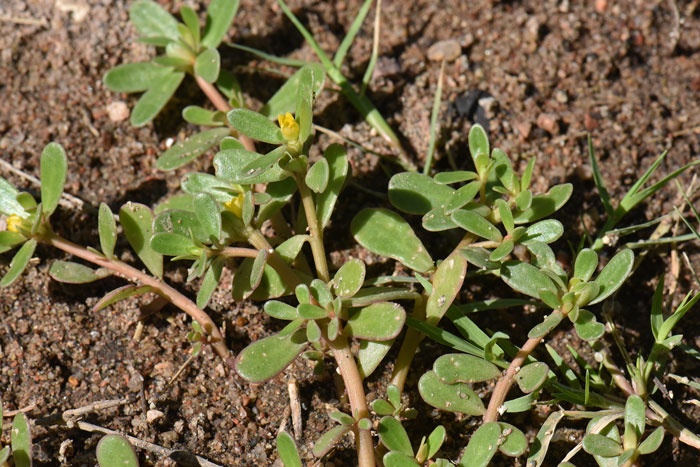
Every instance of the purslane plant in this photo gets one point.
(498, 225)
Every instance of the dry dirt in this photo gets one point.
(537, 74)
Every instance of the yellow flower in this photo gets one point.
(13, 223)
(289, 126)
(236, 205)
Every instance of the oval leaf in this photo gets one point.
(287, 450)
(317, 176)
(549, 323)
(186, 151)
(107, 228)
(153, 100)
(75, 273)
(447, 282)
(326, 442)
(207, 65)
(207, 211)
(137, 223)
(587, 327)
(370, 355)
(338, 171)
(585, 265)
(526, 278)
(482, 446)
(349, 278)
(234, 165)
(416, 193)
(53, 176)
(458, 398)
(514, 443)
(134, 77)
(152, 20)
(614, 274)
(256, 126)
(463, 368)
(172, 244)
(19, 262)
(474, 223)
(546, 231)
(599, 445)
(115, 451)
(531, 376)
(386, 233)
(267, 357)
(21, 441)
(394, 436)
(280, 310)
(119, 294)
(545, 205)
(652, 442)
(377, 322)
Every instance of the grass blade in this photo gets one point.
(375, 50)
(352, 33)
(434, 121)
(599, 182)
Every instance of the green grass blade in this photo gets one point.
(352, 33)
(327, 64)
(375, 50)
(634, 197)
(598, 178)
(267, 56)
(434, 121)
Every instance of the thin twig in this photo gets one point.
(25, 21)
(295, 407)
(12, 413)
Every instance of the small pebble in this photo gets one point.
(548, 123)
(447, 50)
(153, 415)
(601, 5)
(561, 97)
(523, 128)
(118, 111)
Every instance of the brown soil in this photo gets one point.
(626, 71)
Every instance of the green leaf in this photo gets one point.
(207, 211)
(152, 20)
(189, 17)
(265, 358)
(258, 166)
(172, 244)
(376, 322)
(369, 295)
(342, 418)
(438, 220)
(280, 310)
(317, 176)
(19, 262)
(155, 98)
(11, 239)
(585, 265)
(119, 294)
(137, 223)
(482, 445)
(540, 445)
(502, 250)
(447, 282)
(338, 170)
(220, 15)
(183, 223)
(370, 355)
(326, 442)
(134, 77)
(526, 278)
(462, 368)
(515, 443)
(478, 141)
(635, 415)
(614, 274)
(207, 65)
(284, 100)
(398, 459)
(200, 116)
(416, 193)
(657, 317)
(280, 193)
(349, 278)
(115, 451)
(230, 165)
(549, 323)
(462, 197)
(313, 332)
(382, 407)
(474, 223)
(321, 293)
(386, 233)
(256, 126)
(587, 327)
(479, 257)
(599, 445)
(546, 231)
(107, 227)
(524, 200)
(4, 455)
(652, 442)
(186, 151)
(531, 376)
(75, 273)
(209, 282)
(447, 178)
(435, 440)
(53, 176)
(8, 200)
(304, 104)
(458, 398)
(21, 441)
(545, 205)
(310, 311)
(287, 449)
(394, 436)
(258, 268)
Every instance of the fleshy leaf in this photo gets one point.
(8, 200)
(515, 443)
(284, 100)
(546, 231)
(220, 15)
(482, 446)
(458, 398)
(115, 451)
(531, 376)
(446, 178)
(280, 310)
(585, 265)
(207, 211)
(256, 126)
(398, 459)
(19, 262)
(172, 244)
(200, 116)
(447, 282)
(386, 233)
(186, 151)
(207, 65)
(209, 282)
(546, 204)
(394, 436)
(134, 77)
(614, 274)
(155, 98)
(370, 355)
(119, 294)
(152, 20)
(652, 442)
(478, 141)
(526, 278)
(265, 358)
(599, 445)
(326, 442)
(137, 223)
(107, 227)
(377, 322)
(287, 449)
(349, 278)
(587, 327)
(53, 176)
(416, 193)
(549, 323)
(338, 171)
(310, 311)
(463, 368)
(317, 176)
(75, 273)
(241, 166)
(474, 223)
(21, 441)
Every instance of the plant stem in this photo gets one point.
(316, 240)
(356, 394)
(409, 346)
(237, 252)
(220, 103)
(506, 381)
(258, 240)
(159, 286)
